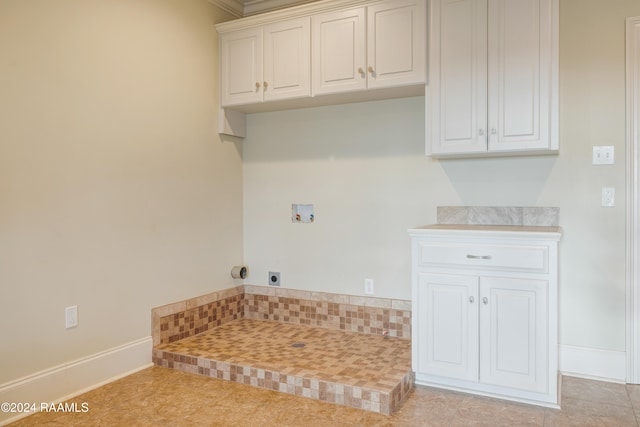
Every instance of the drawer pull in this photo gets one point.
(478, 256)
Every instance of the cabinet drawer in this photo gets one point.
(508, 257)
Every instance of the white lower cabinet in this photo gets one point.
(514, 326)
(479, 326)
(447, 320)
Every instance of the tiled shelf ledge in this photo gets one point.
(367, 315)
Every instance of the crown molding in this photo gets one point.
(234, 7)
(299, 10)
(242, 8)
(253, 7)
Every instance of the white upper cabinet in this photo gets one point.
(241, 66)
(287, 58)
(378, 46)
(266, 63)
(457, 90)
(493, 77)
(345, 48)
(396, 43)
(339, 55)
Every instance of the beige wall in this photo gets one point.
(363, 166)
(592, 112)
(116, 193)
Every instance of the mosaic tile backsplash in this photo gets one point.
(184, 319)
(365, 315)
(343, 316)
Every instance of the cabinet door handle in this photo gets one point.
(469, 256)
(361, 71)
(371, 70)
(471, 300)
(493, 131)
(485, 300)
(265, 85)
(257, 85)
(480, 132)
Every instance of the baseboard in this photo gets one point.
(603, 365)
(79, 376)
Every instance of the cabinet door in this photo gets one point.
(287, 60)
(447, 321)
(457, 90)
(520, 75)
(339, 61)
(396, 43)
(514, 333)
(241, 67)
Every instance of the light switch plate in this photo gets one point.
(603, 155)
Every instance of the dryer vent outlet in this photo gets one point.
(274, 278)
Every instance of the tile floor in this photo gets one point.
(358, 370)
(336, 355)
(165, 397)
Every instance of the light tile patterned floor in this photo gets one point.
(164, 397)
(345, 357)
(359, 370)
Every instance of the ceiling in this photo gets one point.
(242, 8)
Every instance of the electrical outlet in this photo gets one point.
(71, 317)
(608, 197)
(274, 278)
(368, 286)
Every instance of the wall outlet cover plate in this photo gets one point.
(274, 278)
(71, 317)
